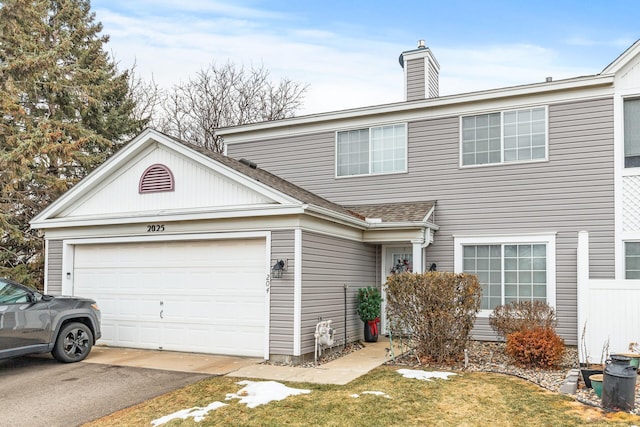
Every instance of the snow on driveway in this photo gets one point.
(253, 394)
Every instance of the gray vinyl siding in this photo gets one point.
(415, 79)
(281, 316)
(434, 82)
(572, 191)
(54, 267)
(329, 263)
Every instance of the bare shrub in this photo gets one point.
(438, 309)
(535, 348)
(516, 316)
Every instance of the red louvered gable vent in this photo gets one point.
(155, 179)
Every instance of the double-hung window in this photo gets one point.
(521, 268)
(508, 136)
(381, 149)
(632, 133)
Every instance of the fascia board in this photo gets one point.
(622, 60)
(403, 225)
(341, 218)
(331, 120)
(169, 216)
(349, 220)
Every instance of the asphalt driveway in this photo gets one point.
(39, 391)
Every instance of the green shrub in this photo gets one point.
(438, 309)
(369, 301)
(516, 316)
(537, 347)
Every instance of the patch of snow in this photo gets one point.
(261, 393)
(197, 413)
(424, 375)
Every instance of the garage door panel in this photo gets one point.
(212, 293)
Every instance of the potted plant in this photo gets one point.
(588, 368)
(369, 301)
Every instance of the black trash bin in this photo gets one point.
(619, 384)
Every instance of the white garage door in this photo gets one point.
(203, 296)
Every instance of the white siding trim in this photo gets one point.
(548, 238)
(417, 256)
(267, 299)
(297, 292)
(46, 265)
(620, 172)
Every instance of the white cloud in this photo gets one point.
(173, 40)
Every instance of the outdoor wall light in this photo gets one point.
(278, 268)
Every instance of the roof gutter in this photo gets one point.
(399, 107)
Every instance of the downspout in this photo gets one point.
(345, 286)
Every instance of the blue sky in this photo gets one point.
(347, 51)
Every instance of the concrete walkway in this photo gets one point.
(339, 371)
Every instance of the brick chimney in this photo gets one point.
(421, 73)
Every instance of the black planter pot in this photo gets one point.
(371, 331)
(587, 371)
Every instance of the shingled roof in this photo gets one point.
(394, 212)
(271, 180)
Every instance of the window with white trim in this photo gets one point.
(375, 150)
(632, 260)
(508, 136)
(517, 269)
(631, 133)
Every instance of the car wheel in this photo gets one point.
(73, 344)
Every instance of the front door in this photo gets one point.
(397, 259)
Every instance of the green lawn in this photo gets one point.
(466, 399)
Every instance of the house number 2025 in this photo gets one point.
(155, 228)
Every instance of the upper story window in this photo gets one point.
(632, 133)
(381, 149)
(508, 136)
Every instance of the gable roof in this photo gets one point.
(259, 179)
(270, 180)
(393, 212)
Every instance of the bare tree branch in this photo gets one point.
(227, 95)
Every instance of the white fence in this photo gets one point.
(608, 310)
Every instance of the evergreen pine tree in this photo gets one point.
(64, 108)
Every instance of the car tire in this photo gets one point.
(73, 343)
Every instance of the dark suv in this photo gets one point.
(31, 322)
